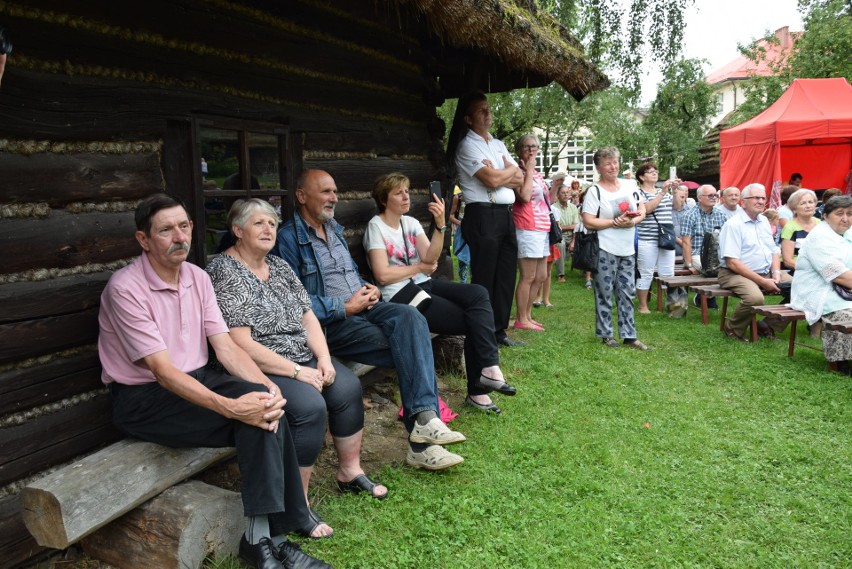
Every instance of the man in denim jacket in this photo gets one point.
(358, 325)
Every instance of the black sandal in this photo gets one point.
(360, 483)
(316, 521)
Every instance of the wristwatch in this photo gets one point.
(442, 229)
(687, 266)
(296, 369)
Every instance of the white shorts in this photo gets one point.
(532, 244)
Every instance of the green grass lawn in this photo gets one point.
(704, 452)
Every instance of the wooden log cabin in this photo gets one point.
(104, 103)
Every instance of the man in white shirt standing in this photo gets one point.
(487, 175)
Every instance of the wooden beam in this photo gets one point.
(72, 502)
(28, 387)
(16, 543)
(63, 295)
(47, 335)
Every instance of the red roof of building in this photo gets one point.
(743, 68)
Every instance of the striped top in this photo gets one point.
(648, 228)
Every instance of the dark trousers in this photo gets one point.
(269, 472)
(308, 410)
(490, 233)
(464, 309)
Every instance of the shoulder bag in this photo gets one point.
(586, 247)
(665, 235)
(411, 293)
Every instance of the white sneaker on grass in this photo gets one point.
(433, 457)
(435, 432)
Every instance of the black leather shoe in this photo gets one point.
(292, 557)
(260, 556)
(495, 385)
(488, 408)
(507, 341)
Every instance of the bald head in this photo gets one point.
(316, 195)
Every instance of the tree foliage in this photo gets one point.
(823, 50)
(681, 113)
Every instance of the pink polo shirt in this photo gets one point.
(141, 315)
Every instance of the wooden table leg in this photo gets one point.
(792, 345)
(704, 316)
(659, 295)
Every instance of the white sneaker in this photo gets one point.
(433, 458)
(435, 432)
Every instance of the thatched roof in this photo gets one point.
(533, 44)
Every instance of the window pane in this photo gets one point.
(220, 154)
(263, 160)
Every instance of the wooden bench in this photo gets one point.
(785, 314)
(679, 271)
(712, 291)
(686, 281)
(130, 507)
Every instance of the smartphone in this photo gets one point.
(435, 188)
(672, 172)
(632, 214)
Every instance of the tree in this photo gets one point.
(681, 113)
(823, 50)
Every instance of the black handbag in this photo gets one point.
(554, 235)
(586, 251)
(586, 247)
(411, 293)
(842, 291)
(665, 235)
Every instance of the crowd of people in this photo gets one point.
(283, 300)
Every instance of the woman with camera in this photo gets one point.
(400, 253)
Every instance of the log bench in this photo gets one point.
(129, 506)
(787, 315)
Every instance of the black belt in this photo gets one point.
(489, 204)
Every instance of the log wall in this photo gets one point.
(88, 106)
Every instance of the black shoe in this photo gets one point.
(260, 556)
(489, 408)
(495, 385)
(711, 303)
(507, 341)
(292, 557)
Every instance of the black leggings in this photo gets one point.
(307, 410)
(464, 309)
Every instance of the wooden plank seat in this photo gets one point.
(133, 488)
(686, 280)
(786, 314)
(679, 271)
(713, 291)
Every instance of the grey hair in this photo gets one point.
(606, 152)
(748, 190)
(242, 210)
(797, 196)
(703, 189)
(520, 142)
(836, 202)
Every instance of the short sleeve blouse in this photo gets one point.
(273, 309)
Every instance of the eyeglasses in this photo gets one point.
(710, 196)
(755, 198)
(650, 171)
(529, 147)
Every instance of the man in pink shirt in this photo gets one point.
(157, 315)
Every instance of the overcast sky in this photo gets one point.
(714, 27)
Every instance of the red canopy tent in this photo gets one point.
(807, 130)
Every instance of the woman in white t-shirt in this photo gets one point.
(398, 251)
(612, 208)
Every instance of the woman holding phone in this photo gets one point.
(658, 208)
(612, 207)
(398, 251)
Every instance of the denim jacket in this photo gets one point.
(294, 246)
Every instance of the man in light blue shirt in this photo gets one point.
(751, 262)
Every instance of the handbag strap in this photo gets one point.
(404, 242)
